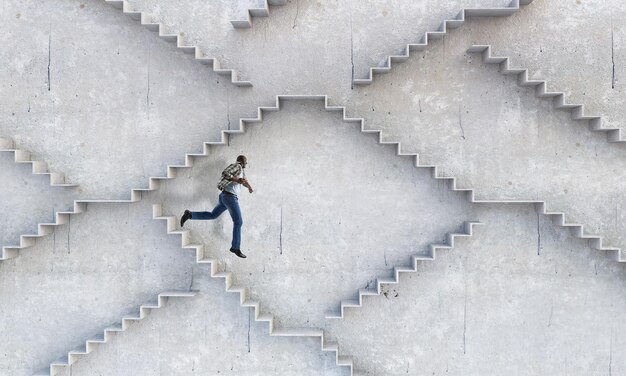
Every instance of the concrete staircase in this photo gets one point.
(262, 9)
(94, 342)
(614, 134)
(319, 245)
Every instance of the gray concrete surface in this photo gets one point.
(107, 140)
(320, 184)
(207, 335)
(105, 101)
(550, 151)
(87, 275)
(493, 306)
(26, 199)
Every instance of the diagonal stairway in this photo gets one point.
(146, 21)
(260, 10)
(95, 342)
(330, 341)
(541, 90)
(454, 23)
(246, 301)
(481, 300)
(57, 179)
(397, 270)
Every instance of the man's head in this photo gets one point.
(242, 160)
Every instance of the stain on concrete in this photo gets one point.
(612, 56)
(49, 52)
(461, 123)
(538, 235)
(295, 18)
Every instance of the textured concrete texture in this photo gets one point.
(27, 199)
(207, 335)
(493, 305)
(106, 101)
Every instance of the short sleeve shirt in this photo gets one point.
(233, 170)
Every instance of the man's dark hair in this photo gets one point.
(241, 158)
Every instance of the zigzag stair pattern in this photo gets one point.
(244, 292)
(79, 206)
(577, 111)
(57, 179)
(557, 217)
(43, 229)
(154, 183)
(146, 21)
(468, 231)
(454, 23)
(263, 11)
(92, 343)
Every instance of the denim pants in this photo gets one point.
(230, 203)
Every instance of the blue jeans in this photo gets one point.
(230, 203)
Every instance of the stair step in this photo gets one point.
(297, 332)
(350, 303)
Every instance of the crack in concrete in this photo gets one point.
(460, 123)
(49, 52)
(615, 221)
(228, 112)
(550, 318)
(351, 48)
(465, 319)
(69, 230)
(612, 56)
(385, 256)
(191, 282)
(228, 118)
(280, 236)
(296, 16)
(148, 91)
(249, 319)
(611, 354)
(538, 235)
(419, 103)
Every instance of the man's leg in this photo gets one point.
(217, 211)
(232, 204)
(205, 215)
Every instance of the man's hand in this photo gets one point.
(245, 183)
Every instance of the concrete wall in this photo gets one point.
(495, 306)
(107, 102)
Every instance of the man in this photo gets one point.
(233, 177)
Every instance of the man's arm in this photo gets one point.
(236, 179)
(246, 184)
